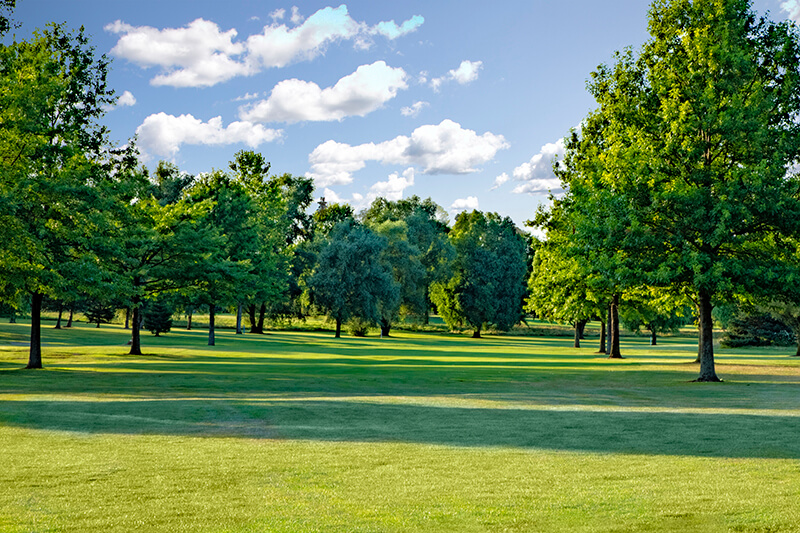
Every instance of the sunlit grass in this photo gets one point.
(297, 431)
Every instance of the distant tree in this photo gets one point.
(324, 219)
(487, 285)
(98, 311)
(158, 316)
(350, 279)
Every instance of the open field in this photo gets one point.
(297, 431)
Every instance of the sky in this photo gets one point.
(458, 100)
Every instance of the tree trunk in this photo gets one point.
(797, 339)
(13, 319)
(211, 316)
(189, 313)
(262, 313)
(60, 312)
(608, 332)
(615, 352)
(581, 329)
(136, 343)
(385, 330)
(35, 355)
(338, 328)
(707, 371)
(127, 318)
(71, 314)
(653, 337)
(98, 325)
(239, 319)
(602, 348)
(477, 333)
(251, 315)
(427, 316)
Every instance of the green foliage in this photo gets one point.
(487, 285)
(358, 327)
(158, 316)
(325, 219)
(757, 330)
(351, 280)
(98, 311)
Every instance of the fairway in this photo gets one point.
(297, 431)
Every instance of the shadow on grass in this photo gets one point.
(662, 433)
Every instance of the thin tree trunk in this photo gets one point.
(136, 344)
(653, 337)
(577, 342)
(796, 330)
(239, 319)
(60, 312)
(602, 348)
(127, 318)
(251, 315)
(707, 370)
(211, 316)
(615, 352)
(35, 355)
(13, 319)
(582, 329)
(608, 332)
(71, 315)
(189, 319)
(262, 313)
(338, 328)
(427, 316)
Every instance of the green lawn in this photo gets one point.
(298, 431)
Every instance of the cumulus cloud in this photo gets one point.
(392, 189)
(470, 203)
(537, 175)
(357, 94)
(792, 9)
(197, 55)
(392, 31)
(245, 97)
(201, 55)
(466, 72)
(500, 180)
(445, 148)
(414, 109)
(162, 134)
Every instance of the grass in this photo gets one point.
(297, 431)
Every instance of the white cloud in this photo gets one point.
(163, 134)
(278, 14)
(197, 55)
(391, 30)
(126, 99)
(466, 72)
(470, 203)
(500, 180)
(357, 94)
(446, 148)
(392, 189)
(414, 109)
(297, 18)
(792, 9)
(245, 97)
(537, 175)
(201, 55)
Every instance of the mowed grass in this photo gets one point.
(298, 431)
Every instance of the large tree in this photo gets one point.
(488, 281)
(698, 132)
(351, 280)
(53, 91)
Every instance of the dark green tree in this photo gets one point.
(487, 285)
(350, 279)
(99, 312)
(158, 316)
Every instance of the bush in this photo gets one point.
(757, 330)
(358, 327)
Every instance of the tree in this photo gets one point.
(158, 316)
(52, 92)
(350, 280)
(698, 132)
(98, 311)
(6, 7)
(487, 285)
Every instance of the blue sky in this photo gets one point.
(462, 101)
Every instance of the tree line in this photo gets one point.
(83, 220)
